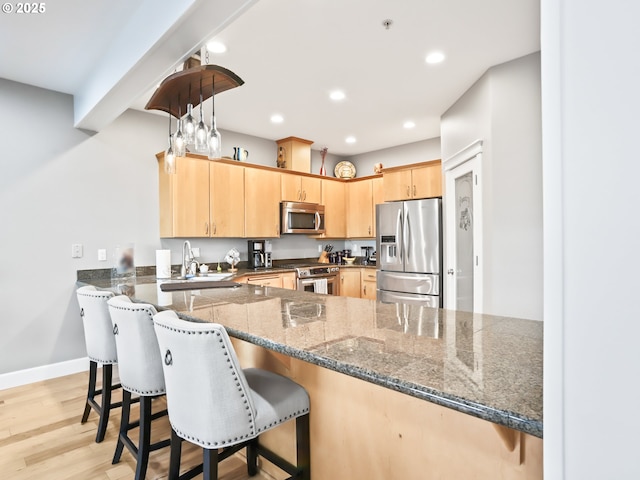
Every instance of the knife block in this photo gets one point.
(324, 258)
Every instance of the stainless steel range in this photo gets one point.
(318, 278)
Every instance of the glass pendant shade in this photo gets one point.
(169, 159)
(189, 125)
(179, 143)
(201, 135)
(214, 142)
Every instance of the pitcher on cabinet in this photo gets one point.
(240, 154)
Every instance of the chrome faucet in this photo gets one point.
(189, 263)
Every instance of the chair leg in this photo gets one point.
(303, 446)
(124, 423)
(174, 458)
(145, 438)
(91, 391)
(252, 457)
(210, 464)
(106, 402)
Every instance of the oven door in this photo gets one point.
(319, 284)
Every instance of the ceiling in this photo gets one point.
(110, 55)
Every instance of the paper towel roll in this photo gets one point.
(163, 263)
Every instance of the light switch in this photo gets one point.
(76, 250)
(102, 255)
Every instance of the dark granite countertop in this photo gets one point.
(482, 365)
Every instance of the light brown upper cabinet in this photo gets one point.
(226, 200)
(420, 180)
(262, 203)
(299, 188)
(184, 198)
(333, 199)
(361, 207)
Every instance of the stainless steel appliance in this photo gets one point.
(259, 254)
(297, 217)
(409, 251)
(318, 279)
(367, 260)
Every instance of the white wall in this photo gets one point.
(503, 109)
(414, 152)
(590, 69)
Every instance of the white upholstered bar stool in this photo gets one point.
(101, 349)
(215, 404)
(140, 368)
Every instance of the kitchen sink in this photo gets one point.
(210, 280)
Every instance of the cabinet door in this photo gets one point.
(290, 187)
(360, 209)
(378, 197)
(266, 281)
(226, 185)
(289, 280)
(397, 185)
(311, 190)
(350, 282)
(427, 181)
(262, 203)
(333, 199)
(190, 198)
(368, 283)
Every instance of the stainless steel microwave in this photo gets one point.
(296, 217)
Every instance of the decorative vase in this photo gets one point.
(323, 153)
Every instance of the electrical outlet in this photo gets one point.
(320, 248)
(76, 250)
(196, 251)
(102, 255)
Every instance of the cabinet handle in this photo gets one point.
(342, 278)
(299, 195)
(365, 289)
(408, 191)
(215, 228)
(369, 229)
(304, 195)
(206, 228)
(414, 190)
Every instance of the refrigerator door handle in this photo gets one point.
(400, 234)
(407, 237)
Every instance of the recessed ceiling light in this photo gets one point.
(350, 139)
(337, 95)
(409, 124)
(276, 118)
(216, 47)
(435, 57)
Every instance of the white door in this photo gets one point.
(463, 219)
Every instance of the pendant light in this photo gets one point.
(189, 123)
(169, 156)
(179, 143)
(201, 130)
(214, 142)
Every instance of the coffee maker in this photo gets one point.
(259, 254)
(367, 260)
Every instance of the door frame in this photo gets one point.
(470, 158)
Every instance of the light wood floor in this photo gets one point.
(41, 437)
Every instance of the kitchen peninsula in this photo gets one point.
(397, 391)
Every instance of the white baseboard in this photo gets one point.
(45, 372)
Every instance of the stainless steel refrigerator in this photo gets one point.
(409, 250)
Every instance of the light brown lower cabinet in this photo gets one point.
(350, 282)
(368, 279)
(364, 431)
(280, 280)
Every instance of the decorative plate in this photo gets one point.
(345, 170)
